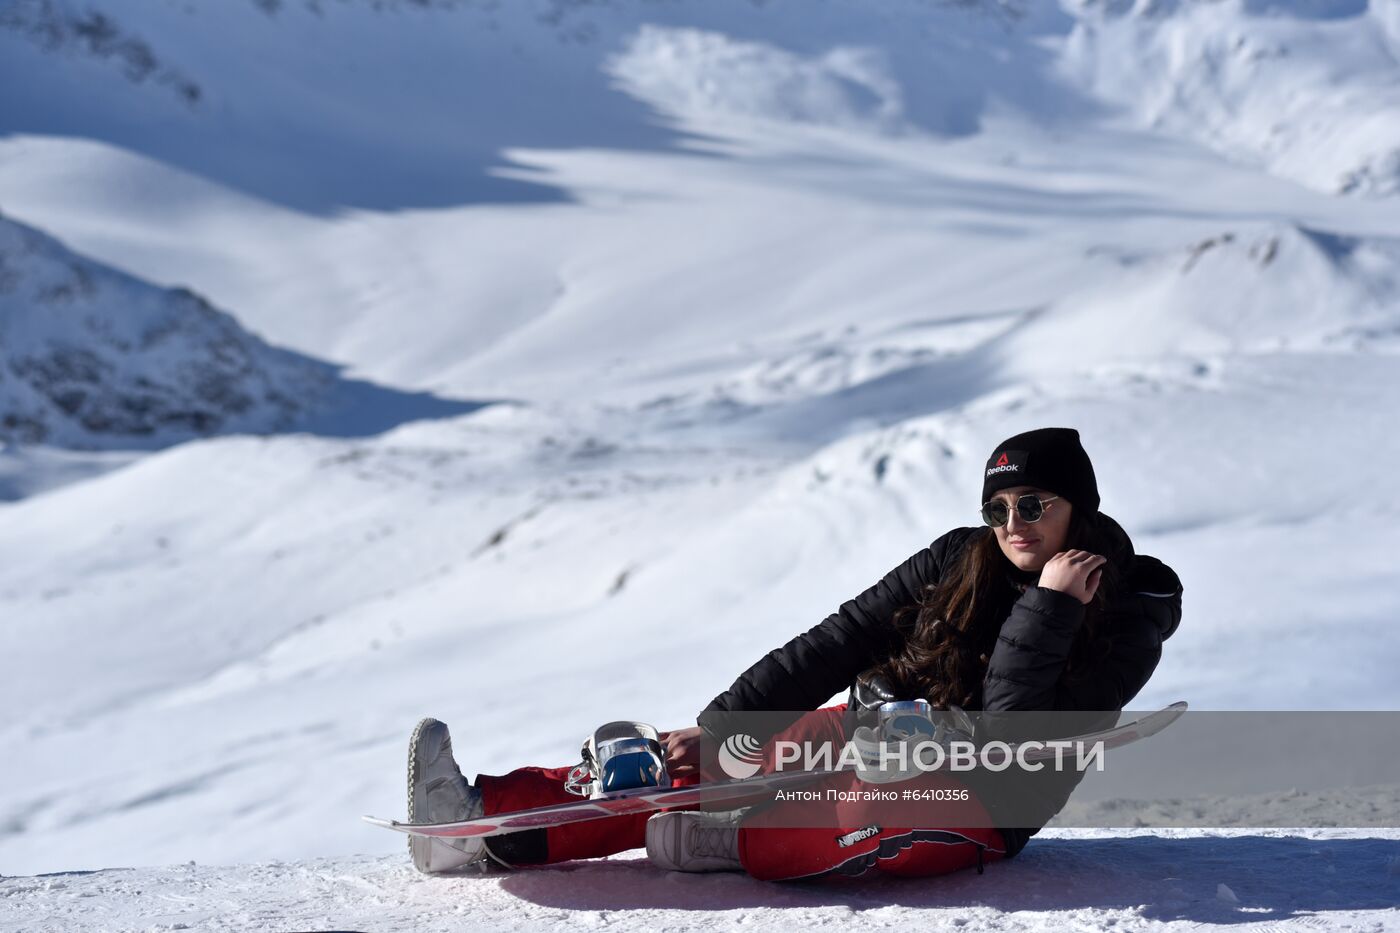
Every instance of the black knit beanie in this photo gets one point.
(1047, 458)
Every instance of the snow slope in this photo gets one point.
(752, 290)
(1177, 880)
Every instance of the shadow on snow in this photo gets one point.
(1274, 878)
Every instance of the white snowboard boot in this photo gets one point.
(686, 840)
(437, 793)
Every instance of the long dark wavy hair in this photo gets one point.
(953, 629)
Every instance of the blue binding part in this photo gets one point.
(629, 770)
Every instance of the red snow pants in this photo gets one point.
(767, 850)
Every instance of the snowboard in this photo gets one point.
(732, 793)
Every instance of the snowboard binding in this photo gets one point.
(879, 725)
(873, 704)
(619, 755)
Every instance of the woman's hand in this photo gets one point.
(1074, 573)
(682, 749)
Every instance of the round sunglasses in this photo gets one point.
(996, 512)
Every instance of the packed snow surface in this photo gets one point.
(593, 349)
(1247, 881)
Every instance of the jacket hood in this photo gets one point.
(1144, 576)
(1120, 547)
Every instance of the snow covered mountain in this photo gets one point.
(755, 287)
(90, 357)
(97, 366)
(1307, 91)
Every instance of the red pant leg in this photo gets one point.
(529, 787)
(856, 838)
(816, 727)
(940, 851)
(789, 854)
(848, 838)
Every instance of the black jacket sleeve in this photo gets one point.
(812, 667)
(1026, 669)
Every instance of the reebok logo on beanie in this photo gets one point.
(1009, 461)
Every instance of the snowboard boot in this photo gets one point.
(691, 840)
(437, 793)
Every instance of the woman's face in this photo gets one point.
(1029, 545)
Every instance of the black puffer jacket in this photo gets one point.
(1024, 672)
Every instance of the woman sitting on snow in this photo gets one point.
(1046, 608)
